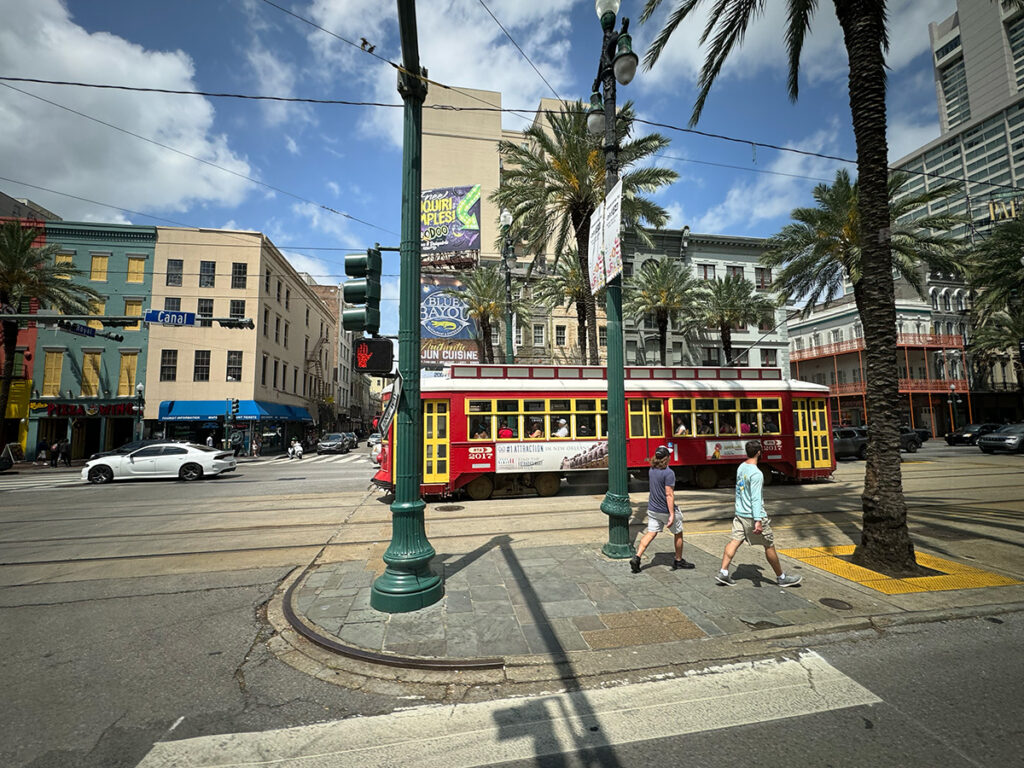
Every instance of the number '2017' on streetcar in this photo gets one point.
(513, 429)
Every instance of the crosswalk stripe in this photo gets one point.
(487, 733)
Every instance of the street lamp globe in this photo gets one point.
(505, 218)
(595, 114)
(606, 6)
(625, 61)
(140, 388)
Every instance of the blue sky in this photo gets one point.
(348, 158)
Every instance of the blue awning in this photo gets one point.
(248, 410)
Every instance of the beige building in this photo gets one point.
(282, 371)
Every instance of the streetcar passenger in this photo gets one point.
(561, 428)
(536, 430)
(479, 433)
(504, 431)
(680, 428)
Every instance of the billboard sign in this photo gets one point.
(449, 220)
(553, 456)
(447, 333)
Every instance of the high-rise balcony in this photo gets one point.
(917, 340)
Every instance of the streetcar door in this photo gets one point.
(435, 441)
(810, 433)
(647, 422)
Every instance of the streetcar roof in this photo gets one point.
(633, 386)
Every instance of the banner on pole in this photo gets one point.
(612, 223)
(595, 256)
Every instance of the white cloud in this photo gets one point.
(771, 197)
(330, 224)
(459, 44)
(335, 189)
(676, 219)
(318, 269)
(907, 133)
(290, 145)
(39, 39)
(763, 48)
(275, 77)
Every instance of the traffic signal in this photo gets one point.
(365, 289)
(234, 406)
(373, 356)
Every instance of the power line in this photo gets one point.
(509, 36)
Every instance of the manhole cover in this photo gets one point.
(449, 508)
(833, 602)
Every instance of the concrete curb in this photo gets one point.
(524, 674)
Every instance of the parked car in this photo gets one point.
(353, 440)
(909, 440)
(850, 442)
(923, 433)
(134, 445)
(969, 433)
(333, 442)
(185, 461)
(1008, 438)
(374, 439)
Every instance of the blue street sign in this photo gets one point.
(164, 317)
(77, 328)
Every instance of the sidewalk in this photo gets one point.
(550, 606)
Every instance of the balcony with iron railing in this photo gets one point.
(907, 386)
(936, 340)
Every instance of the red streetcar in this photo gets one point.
(514, 429)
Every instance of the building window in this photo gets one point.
(237, 310)
(959, 302)
(263, 371)
(234, 370)
(239, 274)
(64, 261)
(174, 270)
(207, 274)
(98, 269)
(172, 304)
(136, 270)
(560, 335)
(769, 357)
(284, 377)
(133, 308)
(519, 335)
(277, 330)
(204, 308)
(266, 282)
(945, 303)
(710, 356)
(602, 336)
(287, 298)
(735, 272)
(126, 377)
(266, 321)
(201, 369)
(295, 380)
(286, 326)
(858, 330)
(307, 317)
(168, 365)
(706, 271)
(494, 335)
(538, 335)
(96, 308)
(766, 326)
(90, 374)
(276, 365)
(51, 373)
(278, 291)
(762, 278)
(837, 335)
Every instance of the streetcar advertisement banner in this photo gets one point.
(554, 456)
(726, 449)
(447, 333)
(450, 219)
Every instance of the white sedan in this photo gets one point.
(182, 460)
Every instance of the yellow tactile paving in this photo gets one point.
(954, 575)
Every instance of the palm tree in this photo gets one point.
(567, 288)
(553, 182)
(667, 291)
(994, 268)
(821, 250)
(999, 333)
(483, 293)
(885, 539)
(26, 273)
(733, 302)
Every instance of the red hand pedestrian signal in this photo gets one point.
(374, 356)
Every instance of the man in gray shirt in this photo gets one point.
(661, 510)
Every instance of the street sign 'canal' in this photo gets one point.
(163, 317)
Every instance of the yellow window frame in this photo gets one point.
(126, 375)
(133, 308)
(136, 270)
(98, 267)
(90, 374)
(52, 368)
(64, 260)
(96, 308)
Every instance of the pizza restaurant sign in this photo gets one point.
(65, 410)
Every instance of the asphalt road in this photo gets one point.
(130, 614)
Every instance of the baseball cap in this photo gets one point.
(562, 421)
(661, 453)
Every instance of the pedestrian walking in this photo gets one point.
(255, 446)
(751, 524)
(209, 441)
(41, 448)
(54, 453)
(65, 452)
(662, 511)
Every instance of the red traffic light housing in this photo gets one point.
(374, 356)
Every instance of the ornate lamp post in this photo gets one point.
(140, 404)
(953, 400)
(508, 260)
(618, 63)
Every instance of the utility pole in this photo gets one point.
(408, 583)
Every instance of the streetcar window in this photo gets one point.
(748, 404)
(479, 406)
(727, 404)
(508, 428)
(727, 424)
(533, 405)
(655, 419)
(604, 406)
(561, 405)
(508, 406)
(586, 405)
(586, 425)
(681, 404)
(481, 427)
(770, 404)
(749, 422)
(636, 418)
(770, 423)
(559, 423)
(603, 424)
(705, 405)
(535, 429)
(682, 424)
(705, 424)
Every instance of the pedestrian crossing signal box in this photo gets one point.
(373, 356)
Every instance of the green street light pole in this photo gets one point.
(507, 257)
(407, 583)
(617, 62)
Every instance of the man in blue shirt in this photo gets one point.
(661, 510)
(751, 523)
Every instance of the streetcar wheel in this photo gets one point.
(100, 475)
(769, 476)
(706, 477)
(547, 484)
(190, 472)
(480, 488)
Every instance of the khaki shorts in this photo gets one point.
(658, 521)
(743, 530)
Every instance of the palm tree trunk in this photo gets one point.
(581, 329)
(726, 333)
(485, 338)
(10, 331)
(663, 338)
(885, 540)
